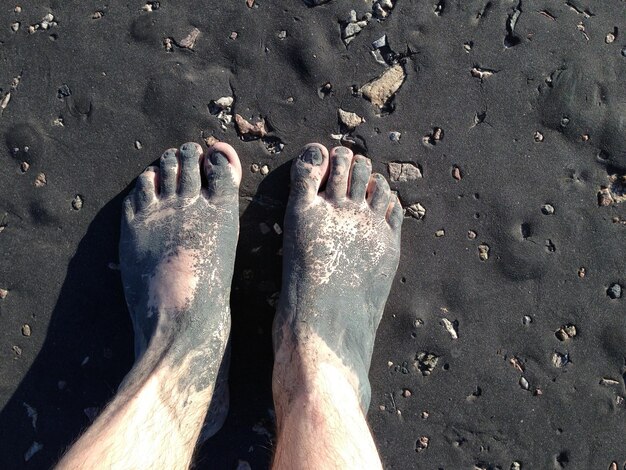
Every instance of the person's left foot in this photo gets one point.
(177, 251)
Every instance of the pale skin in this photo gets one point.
(179, 230)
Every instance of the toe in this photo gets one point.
(359, 177)
(395, 214)
(223, 170)
(189, 180)
(145, 189)
(378, 193)
(337, 184)
(308, 172)
(168, 175)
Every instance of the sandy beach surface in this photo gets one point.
(501, 125)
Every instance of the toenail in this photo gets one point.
(342, 151)
(218, 158)
(312, 155)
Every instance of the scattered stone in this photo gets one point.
(3, 294)
(582, 272)
(233, 35)
(41, 180)
(17, 350)
(451, 327)
(349, 119)
(527, 320)
(538, 136)
(32, 414)
(380, 42)
(382, 8)
(550, 246)
(565, 332)
(406, 393)
(482, 73)
(26, 329)
(394, 136)
(516, 466)
(547, 209)
(422, 444)
(254, 168)
(440, 233)
(471, 234)
(581, 27)
(417, 211)
(524, 383)
(483, 252)
(456, 173)
(608, 382)
(250, 3)
(264, 170)
(403, 171)
(138, 145)
(560, 360)
(47, 22)
(325, 90)
(516, 363)
(24, 166)
(381, 90)
(468, 46)
(168, 43)
(77, 202)
(282, 34)
(91, 413)
(614, 291)
(609, 38)
(64, 91)
(248, 131)
(604, 197)
(151, 6)
(190, 40)
(18, 9)
(5, 101)
(32, 450)
(382, 407)
(15, 26)
(277, 229)
(353, 26)
(425, 362)
(58, 122)
(435, 136)
(584, 137)
(97, 15)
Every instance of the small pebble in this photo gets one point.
(483, 252)
(233, 35)
(547, 209)
(26, 330)
(425, 414)
(264, 170)
(422, 444)
(77, 202)
(527, 320)
(3, 293)
(282, 34)
(382, 407)
(394, 136)
(15, 26)
(614, 291)
(468, 46)
(41, 180)
(516, 466)
(538, 136)
(18, 9)
(524, 383)
(417, 211)
(277, 229)
(254, 168)
(17, 350)
(97, 15)
(440, 233)
(584, 137)
(456, 173)
(406, 393)
(138, 145)
(610, 38)
(24, 166)
(471, 234)
(582, 272)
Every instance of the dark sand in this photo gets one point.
(540, 120)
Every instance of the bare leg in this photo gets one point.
(177, 254)
(341, 251)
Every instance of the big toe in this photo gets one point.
(308, 172)
(223, 170)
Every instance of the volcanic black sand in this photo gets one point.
(503, 124)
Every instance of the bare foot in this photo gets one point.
(177, 251)
(341, 251)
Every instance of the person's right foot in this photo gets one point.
(340, 254)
